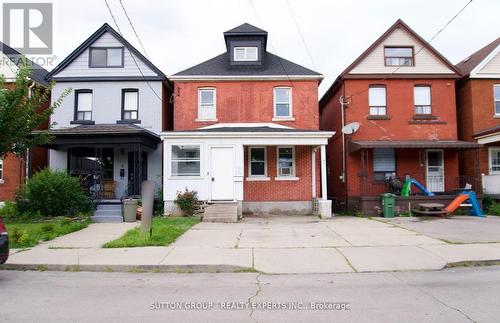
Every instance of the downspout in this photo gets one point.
(28, 156)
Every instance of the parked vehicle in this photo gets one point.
(4, 243)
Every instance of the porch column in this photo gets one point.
(324, 205)
(323, 173)
(313, 172)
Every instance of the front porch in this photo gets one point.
(490, 160)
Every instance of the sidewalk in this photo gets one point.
(274, 245)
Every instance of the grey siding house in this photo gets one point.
(106, 132)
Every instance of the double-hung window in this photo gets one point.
(130, 102)
(185, 160)
(422, 100)
(384, 163)
(286, 162)
(1, 170)
(377, 100)
(257, 162)
(245, 54)
(494, 153)
(398, 56)
(496, 95)
(106, 57)
(83, 105)
(207, 104)
(283, 102)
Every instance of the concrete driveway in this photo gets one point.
(456, 229)
(306, 244)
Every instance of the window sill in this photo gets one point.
(129, 121)
(424, 117)
(283, 119)
(2, 181)
(257, 179)
(205, 120)
(88, 122)
(496, 116)
(286, 178)
(185, 177)
(426, 121)
(378, 117)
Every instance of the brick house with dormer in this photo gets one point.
(401, 94)
(246, 131)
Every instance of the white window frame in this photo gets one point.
(172, 175)
(214, 118)
(422, 108)
(252, 177)
(490, 160)
(246, 50)
(1, 171)
(292, 176)
(77, 107)
(377, 108)
(290, 104)
(495, 100)
(125, 110)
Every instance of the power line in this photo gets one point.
(423, 45)
(300, 33)
(133, 29)
(131, 54)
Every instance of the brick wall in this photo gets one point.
(13, 176)
(246, 101)
(273, 190)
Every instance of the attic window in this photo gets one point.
(106, 57)
(245, 54)
(398, 56)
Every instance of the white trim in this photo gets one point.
(243, 77)
(290, 103)
(210, 171)
(246, 125)
(169, 161)
(246, 49)
(286, 178)
(205, 120)
(257, 179)
(490, 160)
(324, 195)
(495, 113)
(313, 171)
(475, 72)
(214, 90)
(292, 175)
(488, 139)
(442, 168)
(250, 175)
(283, 119)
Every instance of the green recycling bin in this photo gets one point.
(388, 204)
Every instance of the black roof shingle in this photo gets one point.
(38, 73)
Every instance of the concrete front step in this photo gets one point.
(221, 213)
(107, 219)
(110, 207)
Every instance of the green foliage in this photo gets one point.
(494, 208)
(187, 201)
(158, 203)
(21, 113)
(24, 235)
(405, 213)
(488, 201)
(52, 193)
(9, 210)
(165, 231)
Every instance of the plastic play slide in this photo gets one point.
(474, 208)
(407, 187)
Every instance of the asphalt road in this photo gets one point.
(452, 295)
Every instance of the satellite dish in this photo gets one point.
(350, 128)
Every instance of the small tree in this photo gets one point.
(20, 113)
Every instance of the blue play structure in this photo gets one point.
(407, 187)
(470, 200)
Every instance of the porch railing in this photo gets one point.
(93, 187)
(491, 184)
(438, 184)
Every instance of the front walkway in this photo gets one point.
(275, 244)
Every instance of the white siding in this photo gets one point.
(107, 102)
(80, 65)
(425, 61)
(492, 67)
(7, 68)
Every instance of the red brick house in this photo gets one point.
(246, 131)
(401, 92)
(478, 105)
(12, 168)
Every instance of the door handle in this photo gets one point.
(213, 179)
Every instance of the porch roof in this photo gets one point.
(429, 144)
(102, 134)
(488, 136)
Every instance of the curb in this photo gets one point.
(130, 268)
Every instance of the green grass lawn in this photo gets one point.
(165, 231)
(24, 235)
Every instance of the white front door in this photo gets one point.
(435, 170)
(222, 173)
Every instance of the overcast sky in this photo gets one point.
(181, 33)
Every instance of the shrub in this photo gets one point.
(494, 209)
(187, 201)
(19, 236)
(52, 193)
(47, 227)
(488, 201)
(9, 210)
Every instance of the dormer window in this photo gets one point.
(106, 57)
(245, 54)
(398, 56)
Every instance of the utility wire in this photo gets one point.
(300, 33)
(131, 54)
(423, 46)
